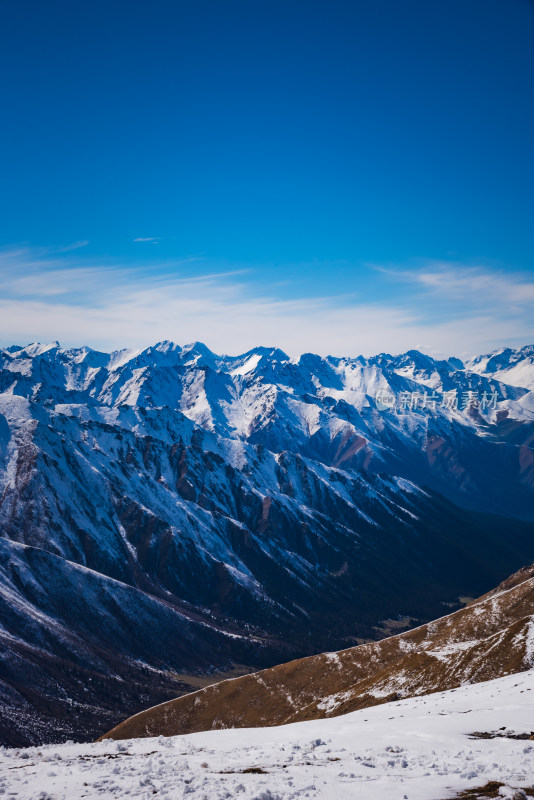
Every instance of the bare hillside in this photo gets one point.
(489, 638)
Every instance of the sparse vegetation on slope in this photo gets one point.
(489, 638)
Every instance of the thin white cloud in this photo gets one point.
(153, 239)
(73, 246)
(476, 285)
(48, 298)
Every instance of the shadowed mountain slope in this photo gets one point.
(490, 638)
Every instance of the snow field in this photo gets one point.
(414, 749)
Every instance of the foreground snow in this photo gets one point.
(418, 749)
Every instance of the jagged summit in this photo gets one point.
(321, 407)
(517, 364)
(12, 348)
(32, 350)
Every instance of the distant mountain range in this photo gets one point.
(168, 514)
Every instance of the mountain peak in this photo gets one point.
(37, 348)
(198, 348)
(274, 353)
(164, 346)
(12, 348)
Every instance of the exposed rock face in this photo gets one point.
(174, 513)
(490, 638)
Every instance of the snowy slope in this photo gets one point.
(417, 749)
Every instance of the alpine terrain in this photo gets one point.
(170, 516)
(489, 638)
(470, 743)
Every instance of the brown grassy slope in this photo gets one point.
(489, 638)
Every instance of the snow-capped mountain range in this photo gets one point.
(171, 512)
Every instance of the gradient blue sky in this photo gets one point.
(336, 176)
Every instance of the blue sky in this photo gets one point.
(333, 176)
